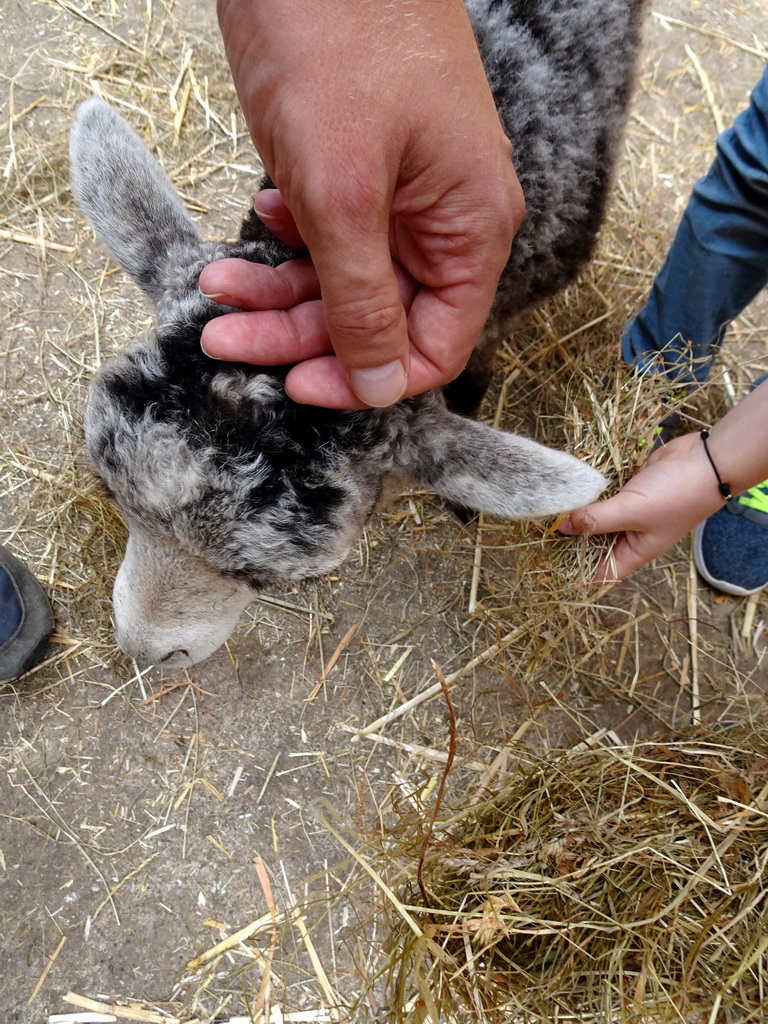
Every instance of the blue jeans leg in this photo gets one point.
(718, 261)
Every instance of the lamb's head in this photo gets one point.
(226, 484)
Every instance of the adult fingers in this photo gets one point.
(458, 253)
(364, 313)
(270, 207)
(264, 337)
(269, 336)
(251, 286)
(324, 382)
(444, 325)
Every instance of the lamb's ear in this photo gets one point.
(480, 467)
(126, 196)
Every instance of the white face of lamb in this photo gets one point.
(171, 609)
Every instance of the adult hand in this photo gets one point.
(377, 124)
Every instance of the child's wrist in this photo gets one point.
(723, 487)
(698, 485)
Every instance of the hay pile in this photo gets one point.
(607, 883)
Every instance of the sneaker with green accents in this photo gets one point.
(730, 548)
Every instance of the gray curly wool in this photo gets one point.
(562, 73)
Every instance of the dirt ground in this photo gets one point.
(135, 808)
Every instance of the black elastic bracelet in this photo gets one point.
(725, 489)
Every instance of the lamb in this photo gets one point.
(226, 484)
